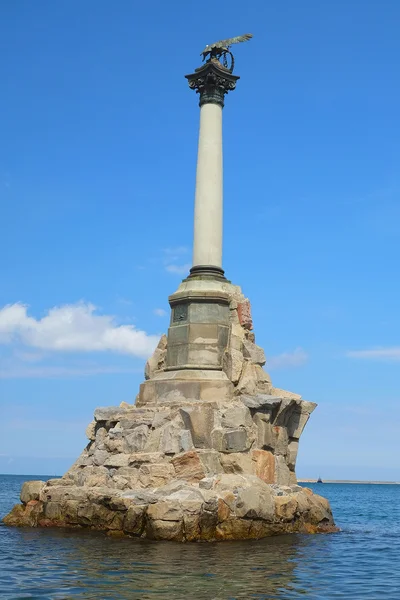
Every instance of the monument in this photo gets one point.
(208, 451)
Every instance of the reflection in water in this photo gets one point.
(129, 568)
(358, 564)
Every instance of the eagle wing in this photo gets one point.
(229, 41)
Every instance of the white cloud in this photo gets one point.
(386, 354)
(178, 269)
(297, 358)
(73, 328)
(160, 312)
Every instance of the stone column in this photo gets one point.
(207, 245)
(211, 82)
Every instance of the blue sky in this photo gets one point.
(97, 167)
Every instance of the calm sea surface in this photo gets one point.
(360, 562)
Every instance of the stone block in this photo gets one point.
(285, 394)
(203, 333)
(282, 473)
(134, 520)
(117, 460)
(165, 510)
(208, 312)
(232, 364)
(271, 436)
(153, 441)
(109, 413)
(199, 420)
(157, 361)
(293, 448)
(210, 459)
(244, 314)
(136, 441)
(253, 352)
(237, 462)
(160, 418)
(296, 420)
(31, 490)
(185, 440)
(91, 431)
(52, 511)
(136, 417)
(235, 415)
(263, 401)
(189, 467)
(170, 438)
(100, 457)
(156, 475)
(235, 440)
(285, 507)
(255, 502)
(263, 384)
(186, 385)
(164, 530)
(264, 465)
(247, 384)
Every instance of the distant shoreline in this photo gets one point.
(349, 481)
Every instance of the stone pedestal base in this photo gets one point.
(185, 471)
(191, 385)
(204, 454)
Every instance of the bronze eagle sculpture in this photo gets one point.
(222, 49)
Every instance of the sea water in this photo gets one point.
(362, 561)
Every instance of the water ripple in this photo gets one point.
(357, 563)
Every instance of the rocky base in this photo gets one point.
(203, 454)
(221, 507)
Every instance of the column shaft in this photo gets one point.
(207, 247)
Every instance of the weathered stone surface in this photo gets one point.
(185, 440)
(170, 438)
(165, 510)
(255, 502)
(253, 352)
(263, 384)
(264, 465)
(293, 448)
(164, 530)
(237, 462)
(109, 413)
(244, 314)
(188, 466)
(282, 473)
(235, 415)
(247, 384)
(232, 362)
(261, 401)
(205, 455)
(156, 362)
(285, 394)
(285, 507)
(117, 460)
(91, 431)
(161, 418)
(234, 440)
(100, 457)
(156, 475)
(136, 441)
(211, 461)
(31, 490)
(134, 520)
(200, 421)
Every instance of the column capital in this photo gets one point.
(212, 81)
